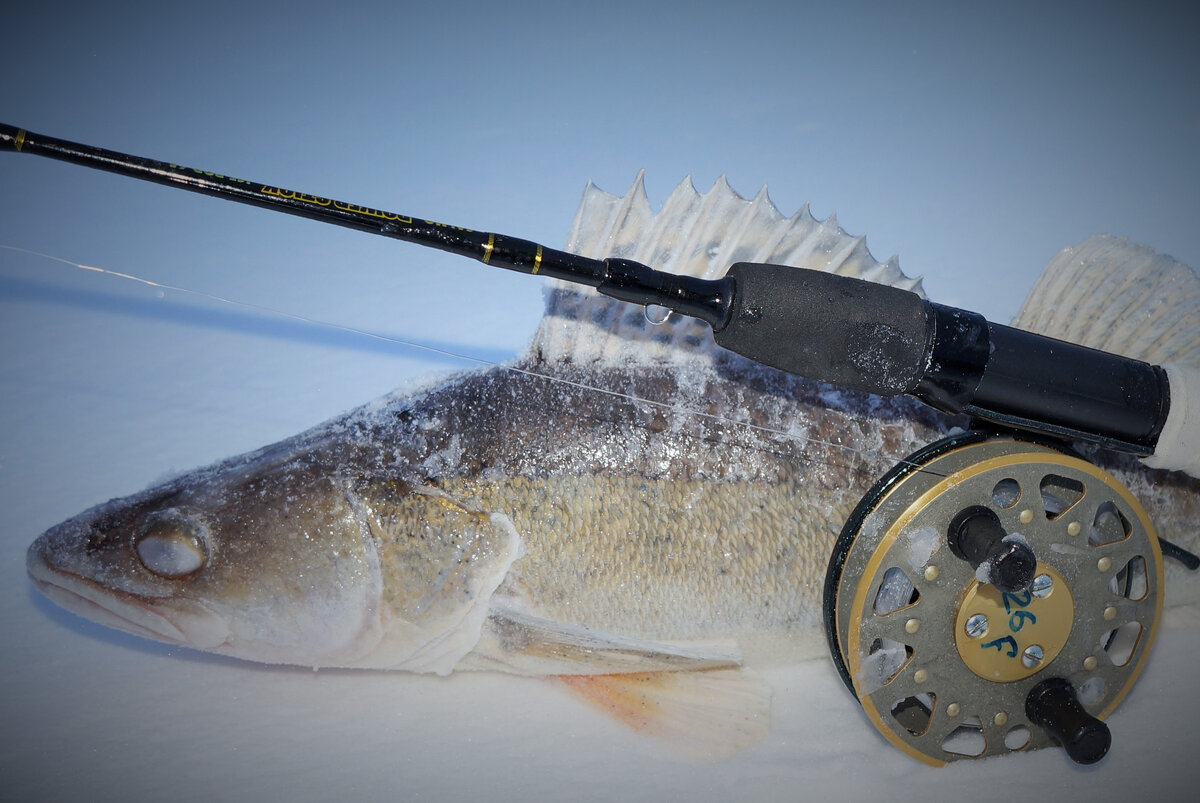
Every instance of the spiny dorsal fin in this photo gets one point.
(693, 234)
(1114, 295)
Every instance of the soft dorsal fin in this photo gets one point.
(1114, 295)
(693, 234)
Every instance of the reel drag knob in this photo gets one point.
(1052, 705)
(976, 536)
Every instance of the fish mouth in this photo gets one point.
(123, 610)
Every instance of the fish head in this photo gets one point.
(264, 559)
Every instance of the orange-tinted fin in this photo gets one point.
(708, 714)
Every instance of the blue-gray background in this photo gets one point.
(974, 141)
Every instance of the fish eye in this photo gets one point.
(171, 547)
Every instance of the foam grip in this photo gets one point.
(849, 332)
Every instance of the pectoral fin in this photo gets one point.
(442, 561)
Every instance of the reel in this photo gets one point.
(992, 595)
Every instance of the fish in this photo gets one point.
(626, 508)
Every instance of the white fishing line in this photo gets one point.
(261, 308)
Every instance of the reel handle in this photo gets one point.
(976, 536)
(1052, 705)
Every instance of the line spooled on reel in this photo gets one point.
(993, 592)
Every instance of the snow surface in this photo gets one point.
(975, 143)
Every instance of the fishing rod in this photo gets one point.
(848, 332)
(1050, 586)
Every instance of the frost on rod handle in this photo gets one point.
(845, 331)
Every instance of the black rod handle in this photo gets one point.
(888, 341)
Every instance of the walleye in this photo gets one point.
(627, 507)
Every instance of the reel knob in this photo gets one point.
(976, 536)
(1052, 705)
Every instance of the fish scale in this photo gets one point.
(695, 529)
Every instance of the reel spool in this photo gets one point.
(945, 663)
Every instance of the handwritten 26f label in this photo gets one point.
(1004, 636)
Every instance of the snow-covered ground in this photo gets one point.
(973, 143)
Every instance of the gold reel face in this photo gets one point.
(942, 663)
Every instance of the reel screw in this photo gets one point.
(977, 625)
(1032, 656)
(1042, 586)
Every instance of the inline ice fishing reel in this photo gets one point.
(991, 593)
